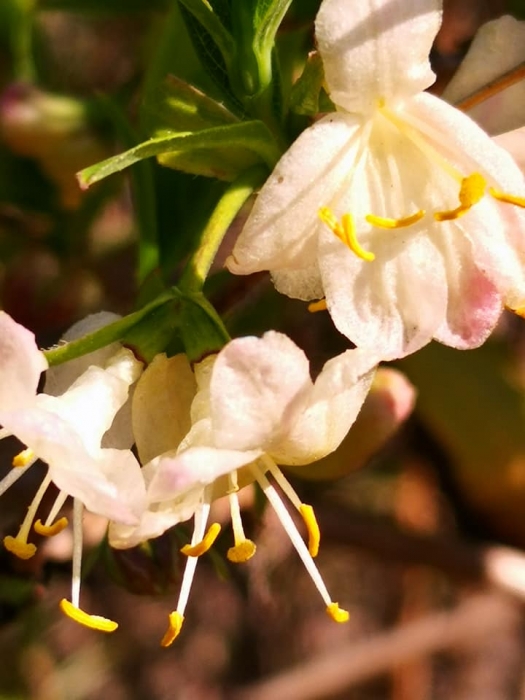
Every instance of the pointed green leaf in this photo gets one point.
(304, 97)
(252, 136)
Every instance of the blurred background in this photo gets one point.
(422, 509)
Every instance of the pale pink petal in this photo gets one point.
(196, 467)
(254, 385)
(21, 364)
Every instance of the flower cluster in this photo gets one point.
(396, 212)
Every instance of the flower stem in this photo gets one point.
(198, 266)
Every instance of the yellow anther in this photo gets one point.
(202, 547)
(519, 311)
(20, 548)
(173, 631)
(345, 231)
(94, 622)
(241, 552)
(383, 222)
(507, 198)
(471, 192)
(23, 458)
(316, 306)
(314, 534)
(336, 613)
(50, 530)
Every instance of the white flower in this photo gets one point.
(387, 207)
(66, 432)
(245, 410)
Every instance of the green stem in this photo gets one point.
(104, 336)
(198, 267)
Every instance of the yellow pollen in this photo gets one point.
(195, 550)
(507, 198)
(314, 534)
(471, 192)
(336, 613)
(346, 232)
(241, 552)
(383, 222)
(94, 622)
(316, 306)
(20, 548)
(50, 530)
(174, 628)
(23, 458)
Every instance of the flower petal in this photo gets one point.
(108, 482)
(161, 405)
(281, 229)
(498, 47)
(321, 422)
(176, 475)
(376, 49)
(21, 364)
(91, 403)
(514, 143)
(254, 385)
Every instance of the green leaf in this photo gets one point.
(212, 42)
(181, 107)
(304, 97)
(104, 336)
(268, 16)
(252, 137)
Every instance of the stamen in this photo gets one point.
(244, 548)
(471, 192)
(204, 545)
(383, 222)
(507, 198)
(21, 549)
(23, 458)
(346, 232)
(50, 530)
(19, 546)
(72, 609)
(12, 476)
(173, 631)
(306, 511)
(297, 541)
(336, 613)
(176, 618)
(314, 533)
(94, 622)
(316, 306)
